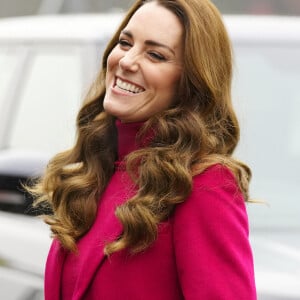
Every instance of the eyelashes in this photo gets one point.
(124, 43)
(153, 55)
(157, 56)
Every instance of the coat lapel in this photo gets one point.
(105, 229)
(93, 257)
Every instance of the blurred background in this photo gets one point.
(29, 7)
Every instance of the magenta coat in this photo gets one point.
(201, 252)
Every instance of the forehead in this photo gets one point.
(154, 21)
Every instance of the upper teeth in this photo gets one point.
(128, 86)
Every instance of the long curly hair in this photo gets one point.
(199, 130)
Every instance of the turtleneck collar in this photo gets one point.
(127, 141)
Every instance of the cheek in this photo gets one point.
(170, 83)
(111, 63)
(166, 91)
(172, 88)
(112, 59)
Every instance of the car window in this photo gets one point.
(267, 95)
(44, 83)
(45, 115)
(8, 63)
(10, 59)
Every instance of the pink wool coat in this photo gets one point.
(202, 251)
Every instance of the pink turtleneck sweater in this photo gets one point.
(202, 251)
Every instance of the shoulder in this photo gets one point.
(214, 176)
(211, 225)
(216, 182)
(215, 196)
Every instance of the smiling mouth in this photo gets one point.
(128, 87)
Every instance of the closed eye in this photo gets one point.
(156, 56)
(124, 43)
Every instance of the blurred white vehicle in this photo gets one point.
(46, 66)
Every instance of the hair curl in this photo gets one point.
(201, 129)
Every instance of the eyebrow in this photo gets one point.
(149, 42)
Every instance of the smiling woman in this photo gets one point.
(144, 69)
(150, 194)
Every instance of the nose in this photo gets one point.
(129, 61)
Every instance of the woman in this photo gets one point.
(149, 203)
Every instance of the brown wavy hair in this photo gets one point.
(199, 130)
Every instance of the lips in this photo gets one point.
(128, 87)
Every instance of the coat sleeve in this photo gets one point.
(213, 254)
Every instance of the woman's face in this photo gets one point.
(144, 68)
